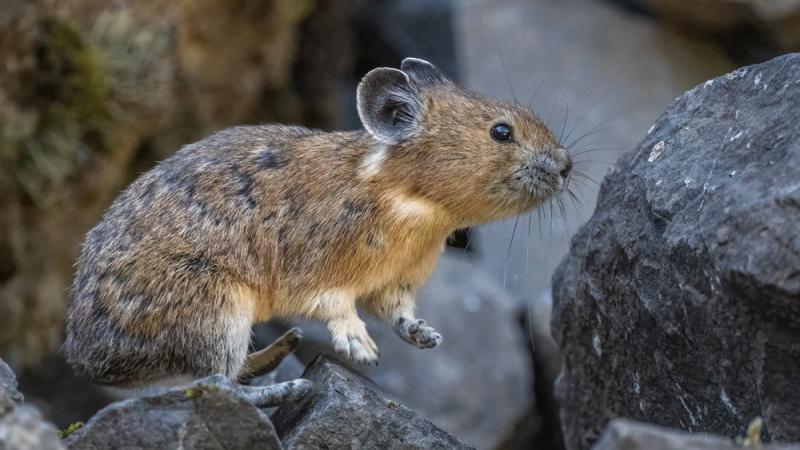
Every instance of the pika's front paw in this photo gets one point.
(417, 333)
(351, 341)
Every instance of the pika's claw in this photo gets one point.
(417, 333)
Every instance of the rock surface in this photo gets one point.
(346, 410)
(679, 301)
(628, 435)
(21, 426)
(8, 383)
(205, 414)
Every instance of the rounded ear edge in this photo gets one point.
(373, 91)
(422, 72)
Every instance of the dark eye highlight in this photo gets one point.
(501, 132)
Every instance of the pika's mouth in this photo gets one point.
(537, 183)
(544, 174)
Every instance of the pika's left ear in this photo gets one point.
(389, 105)
(422, 72)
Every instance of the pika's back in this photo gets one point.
(151, 273)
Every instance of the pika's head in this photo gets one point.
(480, 159)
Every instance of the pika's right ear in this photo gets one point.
(390, 108)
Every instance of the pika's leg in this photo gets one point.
(348, 332)
(267, 359)
(275, 394)
(396, 307)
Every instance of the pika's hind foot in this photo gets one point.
(417, 333)
(275, 394)
(268, 358)
(351, 341)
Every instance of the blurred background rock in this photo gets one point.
(94, 92)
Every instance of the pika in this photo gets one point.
(261, 222)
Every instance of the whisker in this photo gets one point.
(590, 161)
(587, 178)
(535, 93)
(583, 116)
(505, 71)
(593, 146)
(566, 114)
(528, 245)
(508, 252)
(596, 129)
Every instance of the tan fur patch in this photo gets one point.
(405, 206)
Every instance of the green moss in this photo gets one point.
(68, 97)
(70, 83)
(73, 427)
(753, 436)
(199, 390)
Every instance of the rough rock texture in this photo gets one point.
(482, 365)
(205, 414)
(346, 410)
(21, 426)
(91, 93)
(679, 302)
(8, 383)
(629, 435)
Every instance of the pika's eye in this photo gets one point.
(501, 132)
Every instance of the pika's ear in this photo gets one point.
(390, 108)
(422, 72)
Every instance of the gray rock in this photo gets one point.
(679, 301)
(8, 383)
(22, 428)
(346, 410)
(204, 415)
(623, 434)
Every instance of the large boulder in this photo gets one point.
(679, 302)
(623, 434)
(207, 414)
(346, 410)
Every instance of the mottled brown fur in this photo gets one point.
(262, 222)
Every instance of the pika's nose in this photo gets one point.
(564, 160)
